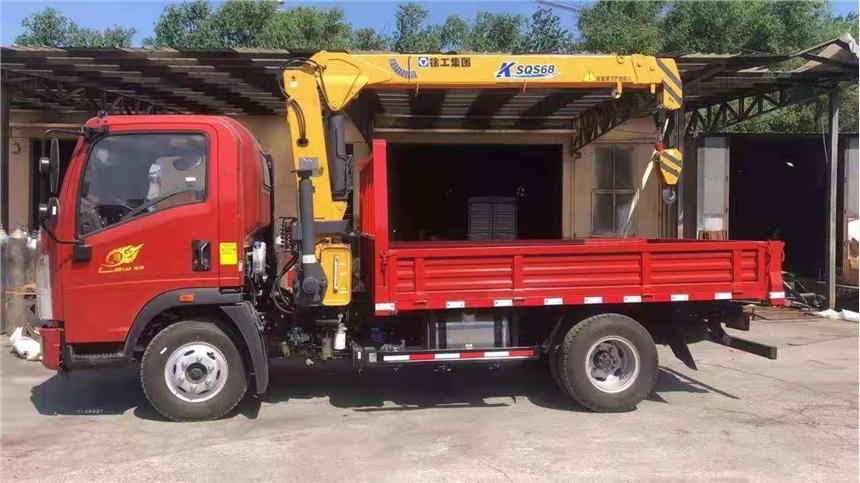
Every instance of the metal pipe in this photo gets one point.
(832, 181)
(5, 99)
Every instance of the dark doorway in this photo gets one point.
(39, 186)
(430, 185)
(778, 190)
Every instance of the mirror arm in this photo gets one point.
(52, 236)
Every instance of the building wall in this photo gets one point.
(271, 131)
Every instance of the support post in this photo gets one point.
(680, 128)
(832, 183)
(5, 99)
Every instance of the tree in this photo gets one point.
(496, 32)
(50, 28)
(622, 26)
(367, 39)
(545, 35)
(411, 33)
(241, 23)
(183, 25)
(309, 28)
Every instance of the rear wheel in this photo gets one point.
(608, 363)
(193, 371)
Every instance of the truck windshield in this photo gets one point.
(132, 175)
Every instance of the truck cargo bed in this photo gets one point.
(467, 274)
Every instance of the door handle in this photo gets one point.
(201, 255)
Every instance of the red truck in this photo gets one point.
(162, 247)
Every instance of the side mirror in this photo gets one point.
(50, 166)
(54, 174)
(50, 211)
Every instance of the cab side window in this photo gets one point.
(133, 175)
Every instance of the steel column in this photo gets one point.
(678, 141)
(5, 98)
(832, 183)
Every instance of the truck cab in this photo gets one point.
(155, 214)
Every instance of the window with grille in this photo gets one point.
(614, 191)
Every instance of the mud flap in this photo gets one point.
(678, 344)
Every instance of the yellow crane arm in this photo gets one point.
(336, 79)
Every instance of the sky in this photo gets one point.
(142, 15)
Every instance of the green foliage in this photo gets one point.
(53, 29)
(726, 27)
(367, 39)
(545, 35)
(412, 33)
(183, 25)
(307, 28)
(496, 32)
(622, 26)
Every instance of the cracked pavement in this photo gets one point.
(739, 418)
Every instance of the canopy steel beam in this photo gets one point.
(599, 120)
(718, 116)
(65, 95)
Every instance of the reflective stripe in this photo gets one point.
(449, 355)
(680, 297)
(553, 301)
(455, 304)
(395, 358)
(722, 296)
(777, 295)
(628, 299)
(497, 354)
(381, 307)
(503, 303)
(593, 300)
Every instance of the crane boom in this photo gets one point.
(319, 88)
(330, 81)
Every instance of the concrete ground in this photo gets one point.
(739, 418)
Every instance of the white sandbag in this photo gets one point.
(25, 346)
(849, 316)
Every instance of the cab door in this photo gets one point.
(146, 204)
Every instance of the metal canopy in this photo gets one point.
(719, 90)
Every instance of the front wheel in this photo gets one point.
(608, 363)
(192, 371)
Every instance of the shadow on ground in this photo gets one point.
(115, 391)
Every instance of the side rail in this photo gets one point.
(576, 273)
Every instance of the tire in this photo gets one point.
(623, 363)
(552, 360)
(206, 378)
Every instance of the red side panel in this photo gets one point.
(374, 221)
(439, 275)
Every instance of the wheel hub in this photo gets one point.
(196, 372)
(612, 364)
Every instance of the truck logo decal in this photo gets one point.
(405, 73)
(117, 259)
(515, 70)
